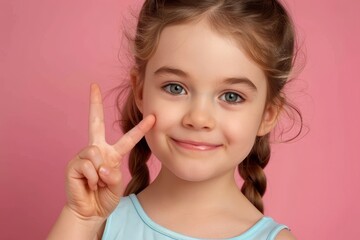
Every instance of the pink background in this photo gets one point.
(50, 52)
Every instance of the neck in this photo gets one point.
(168, 189)
(172, 201)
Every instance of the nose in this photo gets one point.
(200, 116)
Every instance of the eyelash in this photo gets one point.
(239, 98)
(169, 87)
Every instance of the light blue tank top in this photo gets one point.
(130, 222)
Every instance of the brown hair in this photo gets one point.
(265, 31)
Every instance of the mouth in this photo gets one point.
(193, 145)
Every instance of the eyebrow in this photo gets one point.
(181, 73)
(167, 70)
(241, 80)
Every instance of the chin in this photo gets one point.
(191, 173)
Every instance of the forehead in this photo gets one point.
(203, 53)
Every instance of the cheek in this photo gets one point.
(241, 130)
(168, 119)
(166, 112)
(165, 115)
(240, 140)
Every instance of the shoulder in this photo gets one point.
(285, 235)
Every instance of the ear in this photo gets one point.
(269, 118)
(137, 88)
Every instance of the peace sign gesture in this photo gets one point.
(94, 185)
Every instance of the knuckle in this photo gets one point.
(87, 165)
(93, 151)
(70, 164)
(116, 178)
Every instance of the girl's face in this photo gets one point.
(209, 100)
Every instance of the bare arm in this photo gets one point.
(71, 226)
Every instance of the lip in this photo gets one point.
(194, 145)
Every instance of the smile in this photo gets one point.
(192, 145)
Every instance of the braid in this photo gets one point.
(139, 171)
(251, 170)
(140, 154)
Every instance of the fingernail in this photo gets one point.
(93, 86)
(104, 171)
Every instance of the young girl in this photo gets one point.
(206, 92)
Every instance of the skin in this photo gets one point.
(199, 137)
(93, 177)
(200, 112)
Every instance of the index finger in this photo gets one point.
(132, 137)
(96, 116)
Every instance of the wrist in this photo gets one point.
(71, 225)
(80, 219)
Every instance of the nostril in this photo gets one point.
(198, 118)
(199, 125)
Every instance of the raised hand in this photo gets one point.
(94, 181)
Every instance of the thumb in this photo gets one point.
(112, 178)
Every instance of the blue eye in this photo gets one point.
(175, 89)
(232, 98)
